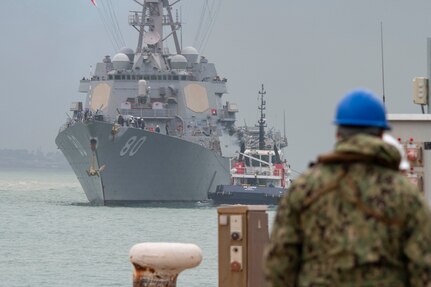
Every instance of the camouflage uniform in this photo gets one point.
(352, 220)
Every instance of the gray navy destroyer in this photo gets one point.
(153, 126)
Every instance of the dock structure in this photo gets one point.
(413, 131)
(242, 236)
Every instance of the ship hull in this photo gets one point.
(239, 194)
(140, 166)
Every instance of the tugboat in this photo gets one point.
(258, 176)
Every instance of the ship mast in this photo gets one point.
(149, 23)
(261, 121)
(173, 28)
(138, 20)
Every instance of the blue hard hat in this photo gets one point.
(361, 108)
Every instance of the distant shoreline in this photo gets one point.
(34, 168)
(24, 159)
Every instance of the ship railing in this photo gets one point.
(150, 113)
(65, 126)
(107, 119)
(70, 122)
(113, 119)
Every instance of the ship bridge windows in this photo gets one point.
(149, 77)
(256, 163)
(124, 77)
(252, 163)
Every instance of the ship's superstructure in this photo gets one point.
(153, 126)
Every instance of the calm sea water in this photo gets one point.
(51, 236)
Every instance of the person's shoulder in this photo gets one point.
(314, 175)
(407, 192)
(311, 180)
(413, 206)
(396, 183)
(400, 196)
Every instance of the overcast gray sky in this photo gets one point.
(308, 53)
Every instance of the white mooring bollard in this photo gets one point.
(158, 264)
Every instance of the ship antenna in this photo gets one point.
(141, 27)
(261, 121)
(284, 123)
(181, 29)
(383, 66)
(152, 17)
(174, 26)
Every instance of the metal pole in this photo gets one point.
(262, 120)
(428, 70)
(383, 66)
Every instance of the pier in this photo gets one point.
(242, 236)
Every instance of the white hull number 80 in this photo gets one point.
(132, 146)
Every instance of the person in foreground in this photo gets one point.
(352, 219)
